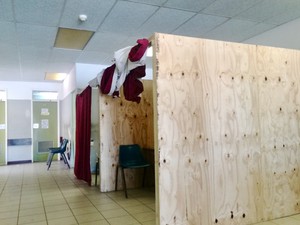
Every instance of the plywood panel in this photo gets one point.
(227, 131)
(123, 122)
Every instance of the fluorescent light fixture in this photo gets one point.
(55, 76)
(149, 52)
(72, 38)
(44, 95)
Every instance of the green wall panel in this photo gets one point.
(45, 130)
(2, 134)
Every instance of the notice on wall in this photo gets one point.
(36, 126)
(2, 126)
(44, 124)
(45, 112)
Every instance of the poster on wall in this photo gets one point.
(45, 112)
(44, 124)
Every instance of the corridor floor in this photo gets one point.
(29, 194)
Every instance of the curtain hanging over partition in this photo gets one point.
(82, 167)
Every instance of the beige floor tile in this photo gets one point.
(32, 211)
(108, 206)
(54, 202)
(56, 208)
(59, 214)
(296, 217)
(31, 219)
(89, 217)
(114, 213)
(63, 221)
(31, 205)
(124, 220)
(10, 221)
(98, 222)
(87, 210)
(145, 216)
(74, 205)
(38, 223)
(152, 222)
(8, 214)
(138, 209)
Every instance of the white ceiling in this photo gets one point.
(28, 28)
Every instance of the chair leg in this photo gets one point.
(124, 182)
(96, 172)
(50, 160)
(144, 175)
(116, 181)
(65, 159)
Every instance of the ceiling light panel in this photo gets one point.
(55, 76)
(72, 38)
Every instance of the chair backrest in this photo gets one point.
(63, 145)
(130, 155)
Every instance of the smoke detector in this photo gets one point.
(82, 17)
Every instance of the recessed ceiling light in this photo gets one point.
(72, 39)
(55, 76)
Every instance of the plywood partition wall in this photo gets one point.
(123, 122)
(227, 128)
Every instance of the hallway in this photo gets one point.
(29, 194)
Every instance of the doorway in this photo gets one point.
(45, 124)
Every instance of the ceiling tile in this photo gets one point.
(199, 25)
(229, 8)
(33, 54)
(164, 20)
(60, 67)
(291, 13)
(38, 11)
(10, 74)
(9, 56)
(268, 9)
(105, 42)
(8, 33)
(190, 5)
(29, 74)
(6, 13)
(237, 30)
(64, 55)
(95, 10)
(39, 36)
(126, 17)
(94, 57)
(151, 2)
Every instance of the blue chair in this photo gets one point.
(61, 150)
(130, 157)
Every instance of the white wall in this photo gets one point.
(23, 90)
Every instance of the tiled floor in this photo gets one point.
(29, 194)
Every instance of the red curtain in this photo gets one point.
(82, 167)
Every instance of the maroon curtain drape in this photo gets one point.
(82, 169)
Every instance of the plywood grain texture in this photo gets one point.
(227, 129)
(123, 122)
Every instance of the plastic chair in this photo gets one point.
(130, 157)
(61, 150)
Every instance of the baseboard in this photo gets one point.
(19, 162)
